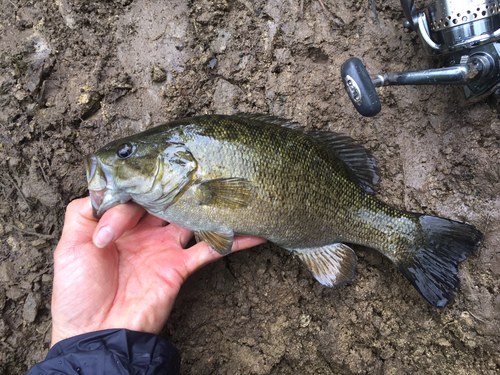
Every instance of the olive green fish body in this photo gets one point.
(303, 193)
(310, 192)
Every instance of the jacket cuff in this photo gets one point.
(119, 351)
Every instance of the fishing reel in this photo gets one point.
(464, 32)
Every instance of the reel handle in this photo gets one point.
(360, 87)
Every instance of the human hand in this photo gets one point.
(132, 282)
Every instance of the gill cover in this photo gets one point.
(175, 168)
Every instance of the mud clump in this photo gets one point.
(75, 75)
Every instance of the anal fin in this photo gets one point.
(332, 265)
(220, 242)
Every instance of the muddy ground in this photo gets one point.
(76, 74)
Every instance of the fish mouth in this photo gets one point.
(97, 198)
(103, 195)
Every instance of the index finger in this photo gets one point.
(79, 216)
(201, 254)
(79, 224)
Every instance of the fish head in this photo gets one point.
(142, 171)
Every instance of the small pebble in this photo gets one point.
(304, 320)
(31, 305)
(158, 74)
(39, 244)
(7, 272)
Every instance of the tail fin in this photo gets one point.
(433, 267)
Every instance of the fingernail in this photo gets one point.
(104, 237)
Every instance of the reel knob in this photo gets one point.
(360, 87)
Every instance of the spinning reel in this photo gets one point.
(464, 32)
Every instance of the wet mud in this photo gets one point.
(75, 75)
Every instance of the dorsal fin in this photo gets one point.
(270, 119)
(360, 161)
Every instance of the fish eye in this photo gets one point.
(124, 151)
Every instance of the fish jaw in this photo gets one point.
(103, 194)
(103, 200)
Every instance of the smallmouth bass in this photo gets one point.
(308, 192)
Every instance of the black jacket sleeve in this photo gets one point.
(113, 351)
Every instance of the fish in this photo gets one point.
(310, 192)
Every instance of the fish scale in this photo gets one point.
(309, 192)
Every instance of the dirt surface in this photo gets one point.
(75, 75)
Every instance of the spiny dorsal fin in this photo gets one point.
(220, 242)
(228, 192)
(332, 265)
(270, 119)
(360, 161)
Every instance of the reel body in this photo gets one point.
(465, 32)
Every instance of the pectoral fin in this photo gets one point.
(220, 242)
(226, 192)
(332, 265)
